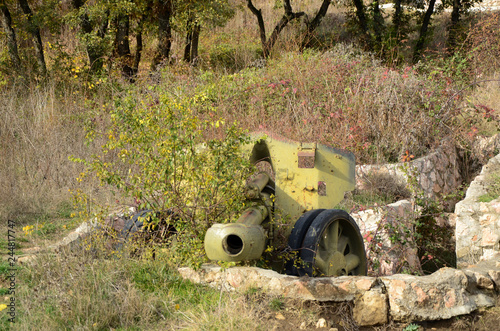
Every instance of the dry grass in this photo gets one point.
(37, 134)
(80, 291)
(41, 126)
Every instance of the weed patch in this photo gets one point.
(492, 183)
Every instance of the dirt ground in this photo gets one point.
(339, 316)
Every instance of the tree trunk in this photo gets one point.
(279, 27)
(11, 36)
(260, 22)
(194, 44)
(288, 16)
(423, 32)
(192, 38)
(95, 52)
(378, 24)
(311, 26)
(138, 47)
(453, 29)
(189, 39)
(396, 20)
(164, 12)
(362, 21)
(122, 46)
(37, 39)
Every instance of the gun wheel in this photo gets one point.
(333, 246)
(297, 237)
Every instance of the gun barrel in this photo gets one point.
(244, 239)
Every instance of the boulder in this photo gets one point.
(442, 295)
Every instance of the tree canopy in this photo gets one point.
(113, 31)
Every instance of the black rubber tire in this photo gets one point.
(347, 236)
(297, 237)
(134, 224)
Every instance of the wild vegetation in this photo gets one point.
(129, 90)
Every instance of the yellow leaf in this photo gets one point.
(3, 306)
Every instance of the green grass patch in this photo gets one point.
(47, 228)
(276, 304)
(359, 199)
(492, 184)
(65, 209)
(4, 268)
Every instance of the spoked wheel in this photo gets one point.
(333, 246)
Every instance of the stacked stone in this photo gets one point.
(437, 174)
(444, 294)
(373, 222)
(478, 223)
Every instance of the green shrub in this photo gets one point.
(164, 157)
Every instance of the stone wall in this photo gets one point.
(437, 173)
(478, 223)
(385, 256)
(405, 298)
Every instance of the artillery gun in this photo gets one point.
(309, 179)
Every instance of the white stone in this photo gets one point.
(321, 323)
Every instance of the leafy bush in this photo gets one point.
(160, 154)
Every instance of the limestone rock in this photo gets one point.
(279, 316)
(441, 295)
(32, 250)
(370, 308)
(477, 229)
(321, 323)
(69, 241)
(479, 280)
(495, 277)
(28, 259)
(338, 289)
